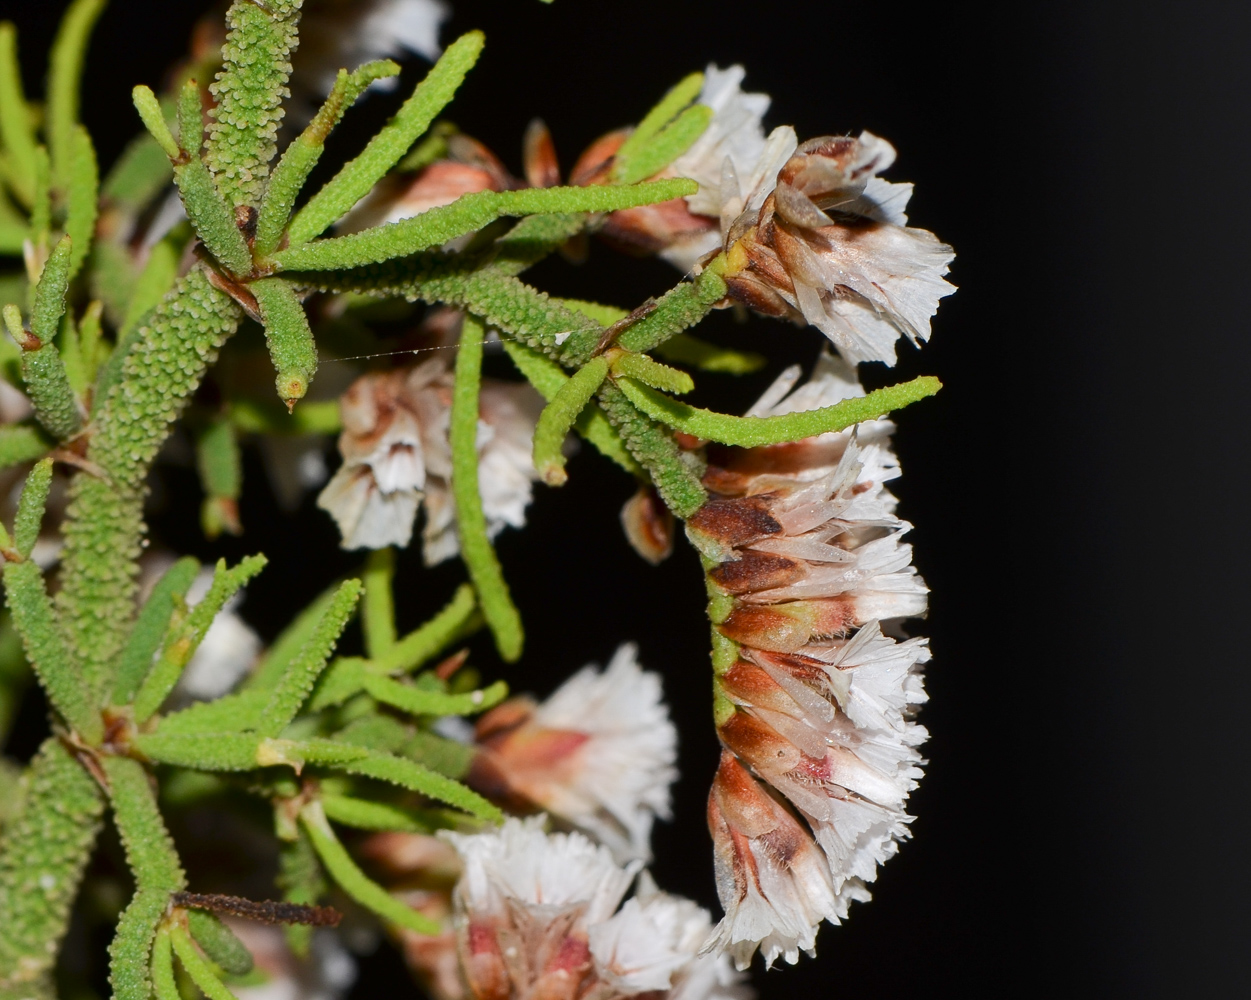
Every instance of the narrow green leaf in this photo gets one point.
(13, 228)
(671, 142)
(49, 303)
(751, 432)
(475, 546)
(548, 377)
(291, 346)
(302, 673)
(41, 207)
(184, 638)
(419, 778)
(305, 150)
(47, 843)
(219, 942)
(89, 342)
(201, 972)
(130, 969)
(355, 882)
(256, 64)
(202, 751)
(558, 416)
(378, 606)
(65, 72)
(212, 220)
(457, 619)
(21, 444)
(365, 815)
(675, 473)
(150, 627)
(31, 505)
(163, 981)
(16, 132)
(602, 314)
(153, 119)
(72, 356)
(231, 713)
(643, 369)
(345, 678)
(46, 650)
(684, 349)
(150, 852)
(311, 417)
(468, 214)
(48, 385)
(358, 177)
(82, 197)
(681, 307)
(416, 701)
(669, 106)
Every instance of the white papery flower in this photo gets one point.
(599, 753)
(536, 916)
(396, 454)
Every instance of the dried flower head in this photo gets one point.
(598, 753)
(396, 455)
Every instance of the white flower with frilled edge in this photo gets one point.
(599, 753)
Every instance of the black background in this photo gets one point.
(1078, 486)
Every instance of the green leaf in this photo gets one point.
(47, 843)
(468, 214)
(138, 175)
(184, 637)
(416, 701)
(20, 443)
(751, 432)
(219, 942)
(419, 778)
(558, 417)
(475, 545)
(548, 377)
(669, 106)
(378, 607)
(150, 852)
(210, 214)
(385, 150)
(305, 150)
(311, 417)
(163, 981)
(82, 197)
(130, 971)
(301, 881)
(675, 473)
(304, 669)
(41, 207)
(201, 972)
(46, 650)
(355, 882)
(153, 118)
(681, 307)
(31, 505)
(643, 369)
(64, 77)
(16, 129)
(150, 627)
(221, 751)
(365, 815)
(684, 349)
(249, 88)
(231, 713)
(49, 303)
(453, 622)
(674, 140)
(291, 346)
(47, 384)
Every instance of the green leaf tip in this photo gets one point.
(643, 369)
(153, 119)
(64, 78)
(558, 417)
(751, 432)
(30, 507)
(290, 340)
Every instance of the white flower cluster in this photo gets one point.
(540, 914)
